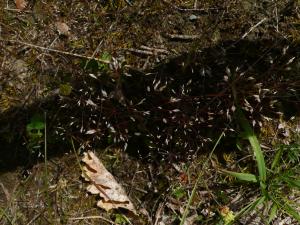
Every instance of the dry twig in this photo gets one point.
(253, 27)
(92, 217)
(56, 51)
(183, 37)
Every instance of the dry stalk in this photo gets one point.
(56, 51)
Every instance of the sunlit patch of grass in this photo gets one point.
(276, 179)
(271, 182)
(200, 176)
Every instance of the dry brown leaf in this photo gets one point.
(21, 4)
(103, 183)
(191, 220)
(63, 28)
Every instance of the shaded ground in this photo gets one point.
(177, 71)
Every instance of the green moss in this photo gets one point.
(65, 89)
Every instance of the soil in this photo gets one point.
(149, 86)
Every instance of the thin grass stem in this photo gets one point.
(186, 211)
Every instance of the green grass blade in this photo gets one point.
(249, 177)
(287, 208)
(3, 213)
(292, 182)
(250, 207)
(277, 158)
(273, 212)
(186, 210)
(249, 134)
(291, 211)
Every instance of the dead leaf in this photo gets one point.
(183, 178)
(21, 4)
(63, 28)
(191, 220)
(103, 183)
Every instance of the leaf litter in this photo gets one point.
(103, 183)
(123, 36)
(21, 4)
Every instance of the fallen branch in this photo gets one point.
(138, 51)
(183, 37)
(56, 51)
(145, 50)
(91, 217)
(253, 27)
(158, 50)
(195, 9)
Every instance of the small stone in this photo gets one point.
(63, 29)
(193, 17)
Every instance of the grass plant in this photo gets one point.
(271, 182)
(190, 200)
